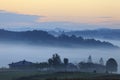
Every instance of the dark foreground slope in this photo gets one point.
(44, 38)
(36, 75)
(72, 76)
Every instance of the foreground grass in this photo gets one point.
(35, 75)
(12, 75)
(72, 76)
(59, 76)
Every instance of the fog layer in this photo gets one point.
(17, 52)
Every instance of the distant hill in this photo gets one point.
(39, 37)
(112, 34)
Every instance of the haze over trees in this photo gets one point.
(44, 38)
(112, 34)
(56, 64)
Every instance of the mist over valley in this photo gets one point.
(13, 51)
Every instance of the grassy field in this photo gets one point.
(35, 75)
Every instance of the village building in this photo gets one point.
(21, 65)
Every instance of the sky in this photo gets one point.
(69, 14)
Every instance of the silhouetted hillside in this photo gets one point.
(44, 38)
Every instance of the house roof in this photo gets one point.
(24, 62)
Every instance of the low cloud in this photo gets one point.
(105, 17)
(9, 17)
(15, 21)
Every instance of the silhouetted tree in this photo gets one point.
(90, 59)
(50, 61)
(66, 61)
(56, 59)
(111, 65)
(101, 61)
